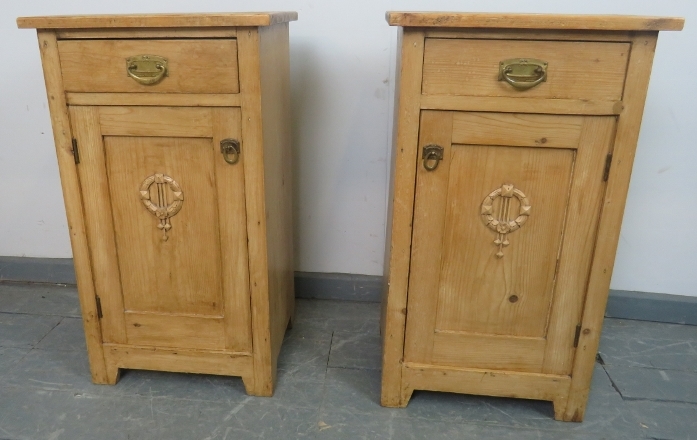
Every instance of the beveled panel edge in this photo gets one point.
(534, 21)
(155, 99)
(146, 33)
(521, 105)
(156, 20)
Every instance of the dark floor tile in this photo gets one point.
(68, 335)
(649, 344)
(654, 384)
(307, 372)
(356, 391)
(666, 421)
(25, 330)
(10, 356)
(340, 424)
(331, 310)
(162, 384)
(356, 350)
(54, 371)
(39, 299)
(302, 351)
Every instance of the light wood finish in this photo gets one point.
(534, 21)
(576, 70)
(398, 237)
(487, 382)
(193, 66)
(499, 310)
(157, 20)
(615, 196)
(154, 99)
(520, 130)
(70, 183)
(205, 286)
(178, 360)
(121, 33)
(515, 105)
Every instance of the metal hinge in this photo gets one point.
(76, 153)
(577, 336)
(608, 162)
(99, 307)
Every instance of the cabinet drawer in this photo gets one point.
(193, 66)
(575, 70)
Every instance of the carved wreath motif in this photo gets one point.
(166, 203)
(502, 224)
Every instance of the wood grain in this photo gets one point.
(274, 50)
(534, 21)
(193, 66)
(487, 382)
(175, 331)
(520, 130)
(99, 223)
(156, 121)
(72, 197)
(488, 351)
(157, 20)
(404, 159)
(182, 274)
(154, 99)
(253, 144)
(178, 360)
(515, 105)
(576, 70)
(638, 73)
(426, 252)
(232, 218)
(145, 33)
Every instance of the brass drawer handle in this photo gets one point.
(523, 73)
(432, 155)
(231, 150)
(146, 69)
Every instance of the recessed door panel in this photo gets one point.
(166, 225)
(499, 248)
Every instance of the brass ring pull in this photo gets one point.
(432, 155)
(231, 150)
(523, 73)
(146, 69)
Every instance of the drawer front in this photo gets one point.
(193, 66)
(575, 70)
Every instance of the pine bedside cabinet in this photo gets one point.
(173, 141)
(514, 142)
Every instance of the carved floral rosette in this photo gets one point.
(167, 200)
(502, 224)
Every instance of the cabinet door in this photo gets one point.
(166, 225)
(503, 236)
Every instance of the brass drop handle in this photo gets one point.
(146, 69)
(432, 155)
(231, 150)
(523, 73)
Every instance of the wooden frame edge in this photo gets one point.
(60, 122)
(405, 149)
(253, 149)
(626, 137)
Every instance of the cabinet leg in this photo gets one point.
(113, 374)
(254, 388)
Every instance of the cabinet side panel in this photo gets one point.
(638, 73)
(73, 202)
(405, 151)
(252, 149)
(275, 107)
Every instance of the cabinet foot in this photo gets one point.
(113, 373)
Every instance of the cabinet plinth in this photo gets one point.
(514, 142)
(173, 141)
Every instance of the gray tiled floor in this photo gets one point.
(644, 387)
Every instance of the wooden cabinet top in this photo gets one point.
(157, 20)
(534, 21)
